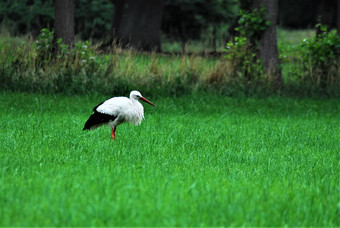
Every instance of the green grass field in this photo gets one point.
(195, 161)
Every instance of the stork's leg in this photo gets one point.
(113, 133)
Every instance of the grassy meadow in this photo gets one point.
(196, 160)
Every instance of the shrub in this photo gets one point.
(45, 45)
(319, 61)
(245, 67)
(252, 24)
(244, 62)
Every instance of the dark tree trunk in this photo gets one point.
(183, 36)
(64, 21)
(338, 17)
(214, 38)
(137, 24)
(268, 43)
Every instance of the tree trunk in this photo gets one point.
(214, 38)
(183, 36)
(338, 17)
(64, 21)
(268, 43)
(137, 24)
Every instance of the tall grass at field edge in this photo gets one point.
(117, 71)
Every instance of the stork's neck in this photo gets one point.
(139, 109)
(133, 100)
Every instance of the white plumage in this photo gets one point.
(117, 110)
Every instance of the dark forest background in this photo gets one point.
(181, 19)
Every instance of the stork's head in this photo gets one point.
(136, 95)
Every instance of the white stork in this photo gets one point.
(117, 110)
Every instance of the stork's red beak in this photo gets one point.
(146, 100)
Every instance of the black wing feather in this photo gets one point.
(98, 118)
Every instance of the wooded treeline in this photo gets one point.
(139, 24)
(251, 56)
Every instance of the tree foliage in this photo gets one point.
(320, 57)
(252, 24)
(92, 18)
(26, 16)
